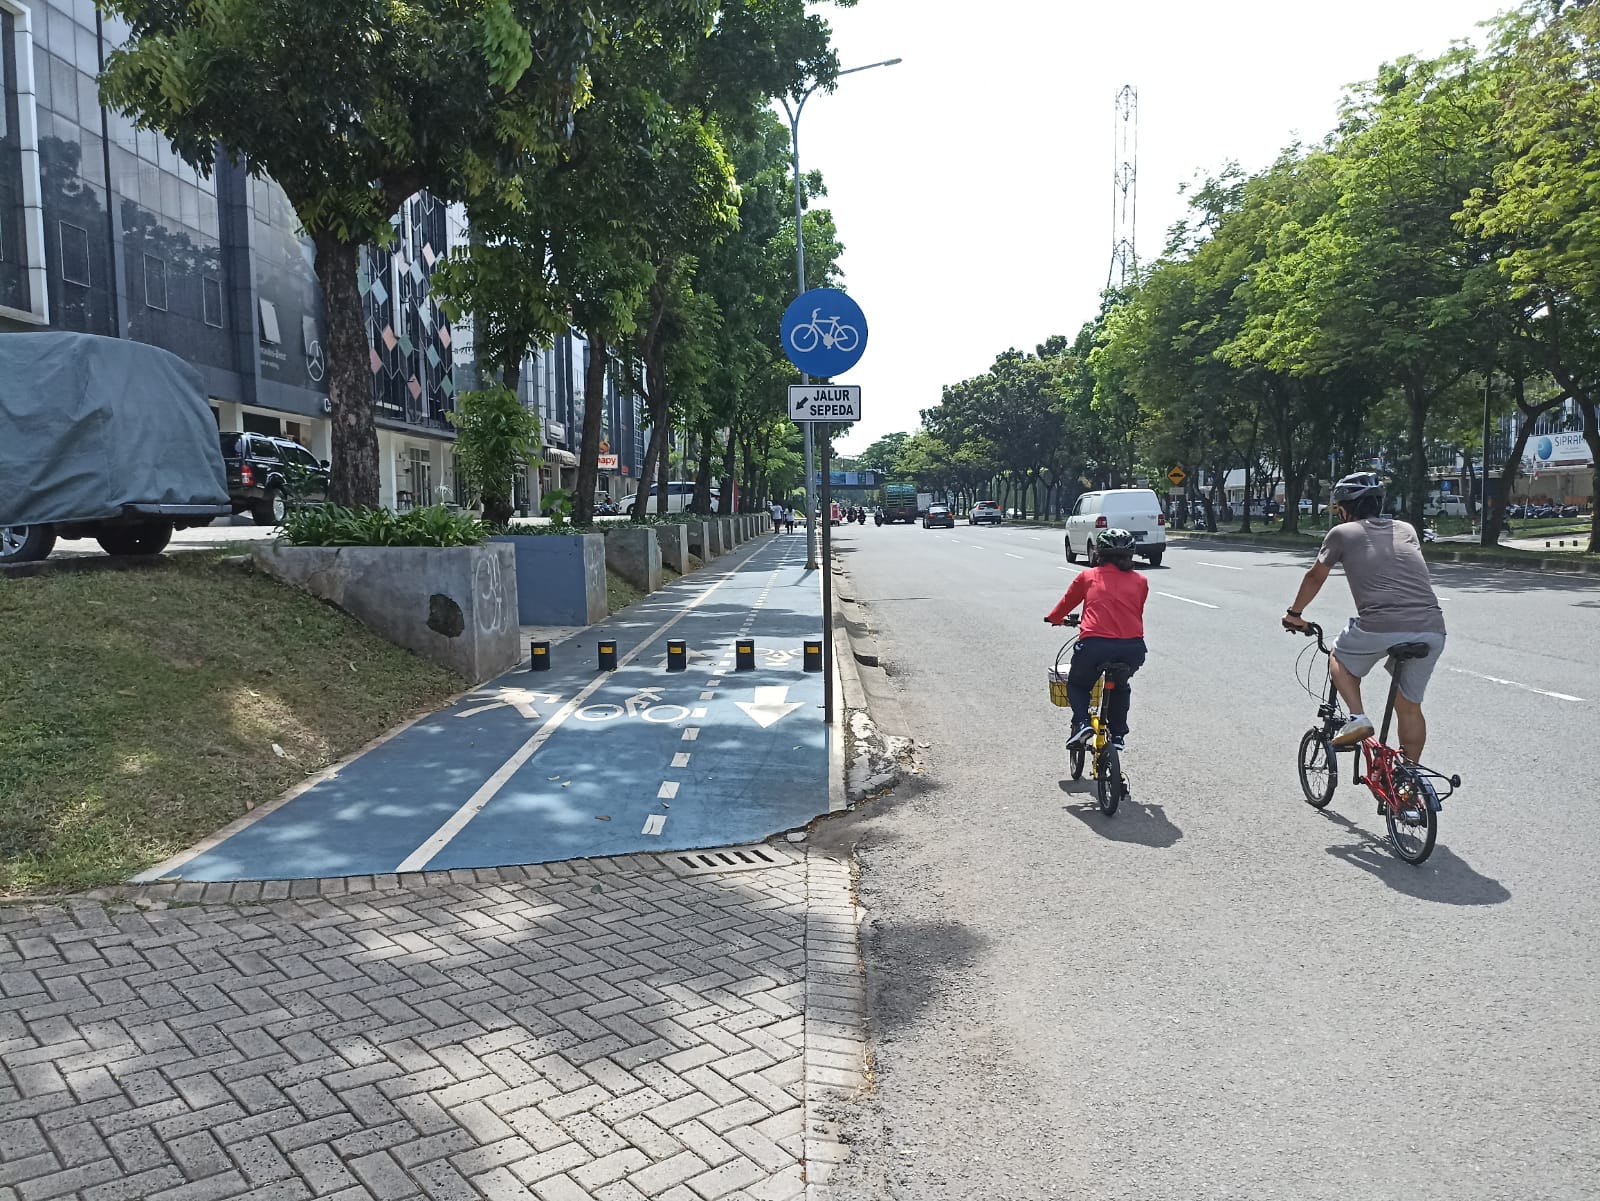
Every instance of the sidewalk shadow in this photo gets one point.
(1444, 877)
(1139, 823)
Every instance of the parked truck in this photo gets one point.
(924, 499)
(900, 503)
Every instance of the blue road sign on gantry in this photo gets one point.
(824, 332)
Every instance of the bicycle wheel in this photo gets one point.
(1108, 780)
(803, 338)
(1075, 761)
(845, 338)
(1319, 771)
(1414, 822)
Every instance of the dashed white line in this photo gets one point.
(1223, 566)
(698, 712)
(706, 696)
(1009, 555)
(667, 791)
(1186, 600)
(654, 823)
(1560, 696)
(681, 759)
(691, 734)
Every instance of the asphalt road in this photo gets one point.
(1221, 992)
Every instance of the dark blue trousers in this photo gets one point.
(1090, 655)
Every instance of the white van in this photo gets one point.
(680, 495)
(1445, 504)
(1133, 509)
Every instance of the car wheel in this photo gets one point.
(272, 509)
(1072, 555)
(1091, 554)
(26, 543)
(1155, 558)
(136, 540)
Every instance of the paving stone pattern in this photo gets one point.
(601, 1029)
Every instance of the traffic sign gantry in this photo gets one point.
(824, 402)
(824, 332)
(1177, 475)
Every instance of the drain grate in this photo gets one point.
(725, 859)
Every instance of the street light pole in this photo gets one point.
(793, 112)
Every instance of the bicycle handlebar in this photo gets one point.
(1310, 630)
(1071, 619)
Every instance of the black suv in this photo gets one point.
(266, 475)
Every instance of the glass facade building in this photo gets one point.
(105, 230)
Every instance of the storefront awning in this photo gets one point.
(564, 458)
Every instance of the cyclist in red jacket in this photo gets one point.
(1112, 631)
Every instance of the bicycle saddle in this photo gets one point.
(1410, 650)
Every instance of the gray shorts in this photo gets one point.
(1361, 650)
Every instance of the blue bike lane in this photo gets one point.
(577, 763)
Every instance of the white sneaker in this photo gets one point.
(1354, 730)
(1080, 736)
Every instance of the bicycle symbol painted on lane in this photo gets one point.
(643, 704)
(829, 332)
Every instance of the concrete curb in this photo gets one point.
(877, 754)
(835, 1016)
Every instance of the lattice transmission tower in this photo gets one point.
(1124, 189)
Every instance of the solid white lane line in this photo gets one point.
(654, 823)
(491, 787)
(667, 791)
(1224, 566)
(1560, 696)
(691, 734)
(681, 759)
(1186, 600)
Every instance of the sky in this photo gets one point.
(972, 184)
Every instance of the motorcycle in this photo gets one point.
(861, 517)
(877, 518)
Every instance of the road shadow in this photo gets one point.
(912, 964)
(1444, 877)
(1136, 822)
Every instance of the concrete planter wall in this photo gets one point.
(455, 605)
(634, 555)
(730, 532)
(673, 541)
(705, 540)
(561, 578)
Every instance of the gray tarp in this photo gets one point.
(90, 424)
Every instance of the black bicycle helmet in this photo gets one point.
(1360, 495)
(1113, 545)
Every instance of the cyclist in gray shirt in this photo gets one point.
(1395, 602)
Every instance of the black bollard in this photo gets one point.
(813, 657)
(608, 654)
(677, 654)
(538, 656)
(745, 655)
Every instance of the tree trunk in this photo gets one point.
(730, 453)
(1591, 435)
(1416, 447)
(663, 418)
(594, 392)
(702, 474)
(356, 482)
(656, 452)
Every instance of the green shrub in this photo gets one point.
(331, 525)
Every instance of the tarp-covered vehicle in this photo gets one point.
(102, 438)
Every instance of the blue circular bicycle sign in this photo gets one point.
(824, 332)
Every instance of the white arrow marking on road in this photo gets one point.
(520, 699)
(644, 697)
(770, 706)
(654, 823)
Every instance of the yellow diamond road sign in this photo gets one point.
(1177, 475)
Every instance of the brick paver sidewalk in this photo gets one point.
(601, 1029)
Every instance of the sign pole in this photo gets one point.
(827, 572)
(811, 492)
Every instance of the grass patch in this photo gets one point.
(139, 710)
(619, 593)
